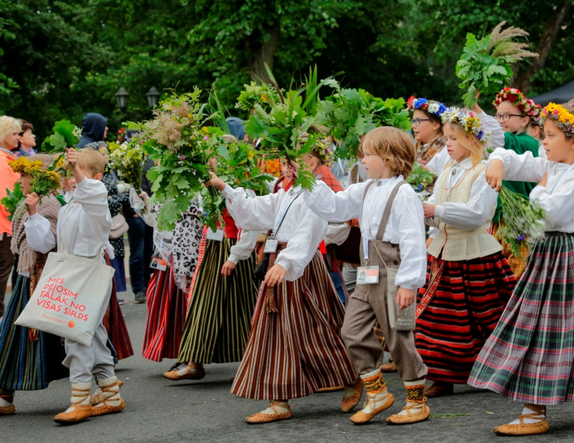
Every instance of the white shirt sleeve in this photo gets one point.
(244, 247)
(475, 212)
(251, 214)
(335, 206)
(495, 130)
(520, 167)
(38, 234)
(93, 196)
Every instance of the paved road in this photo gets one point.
(159, 410)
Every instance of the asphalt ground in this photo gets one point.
(159, 410)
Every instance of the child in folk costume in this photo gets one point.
(294, 347)
(89, 210)
(468, 278)
(391, 219)
(514, 113)
(29, 359)
(175, 263)
(530, 355)
(427, 131)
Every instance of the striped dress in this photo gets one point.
(294, 346)
(220, 310)
(530, 355)
(469, 280)
(166, 300)
(166, 309)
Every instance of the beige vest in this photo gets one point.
(457, 244)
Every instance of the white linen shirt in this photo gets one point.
(405, 226)
(301, 229)
(556, 198)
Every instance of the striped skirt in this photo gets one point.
(298, 350)
(29, 359)
(166, 309)
(464, 308)
(219, 317)
(117, 330)
(530, 355)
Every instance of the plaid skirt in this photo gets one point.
(464, 305)
(166, 310)
(530, 355)
(298, 349)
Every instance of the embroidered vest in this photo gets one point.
(458, 244)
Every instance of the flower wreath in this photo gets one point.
(469, 122)
(518, 99)
(321, 147)
(561, 116)
(430, 107)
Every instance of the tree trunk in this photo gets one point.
(260, 52)
(522, 80)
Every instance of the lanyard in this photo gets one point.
(282, 214)
(366, 231)
(561, 177)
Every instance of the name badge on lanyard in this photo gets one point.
(216, 236)
(270, 246)
(367, 275)
(158, 263)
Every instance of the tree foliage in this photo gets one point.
(61, 59)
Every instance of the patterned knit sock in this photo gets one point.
(282, 407)
(415, 395)
(377, 393)
(534, 419)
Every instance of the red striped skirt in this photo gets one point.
(116, 326)
(298, 350)
(166, 311)
(466, 305)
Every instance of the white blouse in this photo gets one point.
(556, 198)
(469, 215)
(405, 227)
(301, 229)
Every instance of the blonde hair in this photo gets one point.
(8, 125)
(468, 141)
(393, 146)
(92, 161)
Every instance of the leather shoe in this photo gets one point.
(350, 402)
(193, 371)
(439, 388)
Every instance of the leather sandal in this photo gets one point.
(350, 402)
(414, 414)
(108, 395)
(9, 408)
(540, 427)
(364, 417)
(259, 417)
(76, 412)
(193, 371)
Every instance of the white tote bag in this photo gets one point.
(71, 294)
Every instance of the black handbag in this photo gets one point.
(262, 267)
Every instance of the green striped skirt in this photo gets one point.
(29, 359)
(219, 316)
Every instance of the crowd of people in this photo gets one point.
(274, 289)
